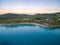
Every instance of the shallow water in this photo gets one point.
(28, 34)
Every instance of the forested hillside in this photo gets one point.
(51, 19)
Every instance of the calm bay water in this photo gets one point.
(28, 34)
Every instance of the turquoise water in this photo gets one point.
(28, 34)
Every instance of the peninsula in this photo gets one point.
(48, 20)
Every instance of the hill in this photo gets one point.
(45, 19)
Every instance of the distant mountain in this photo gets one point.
(12, 15)
(51, 14)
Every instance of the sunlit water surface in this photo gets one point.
(28, 34)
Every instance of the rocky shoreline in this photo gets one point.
(51, 26)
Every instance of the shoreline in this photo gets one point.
(33, 24)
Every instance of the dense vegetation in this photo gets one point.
(46, 19)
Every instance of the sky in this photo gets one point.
(29, 6)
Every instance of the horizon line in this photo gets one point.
(29, 14)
